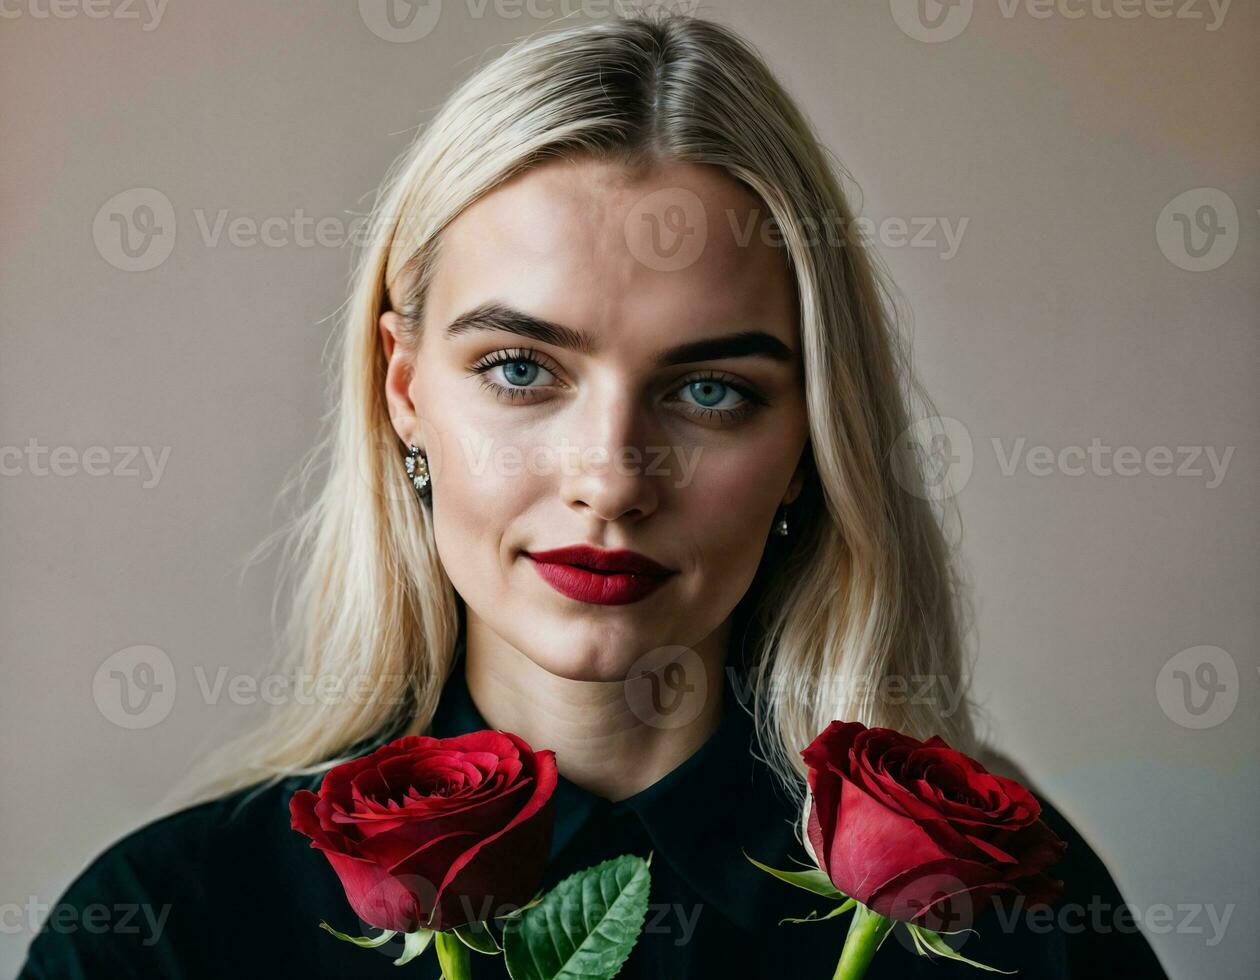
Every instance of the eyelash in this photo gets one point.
(752, 400)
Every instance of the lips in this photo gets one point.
(601, 577)
(598, 560)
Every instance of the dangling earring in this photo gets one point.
(781, 524)
(418, 472)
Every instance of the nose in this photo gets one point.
(610, 477)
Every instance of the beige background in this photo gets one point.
(1057, 319)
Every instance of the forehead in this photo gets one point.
(630, 259)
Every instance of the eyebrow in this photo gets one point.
(497, 316)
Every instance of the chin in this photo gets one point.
(585, 659)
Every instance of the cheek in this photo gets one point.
(481, 484)
(479, 488)
(729, 500)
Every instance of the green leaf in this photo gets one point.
(927, 942)
(414, 943)
(362, 941)
(477, 937)
(584, 928)
(812, 880)
(815, 917)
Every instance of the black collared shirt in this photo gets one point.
(226, 888)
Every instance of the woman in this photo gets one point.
(613, 397)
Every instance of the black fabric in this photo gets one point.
(227, 889)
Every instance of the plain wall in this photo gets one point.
(1069, 310)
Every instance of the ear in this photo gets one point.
(389, 325)
(797, 483)
(399, 372)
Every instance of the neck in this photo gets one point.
(602, 741)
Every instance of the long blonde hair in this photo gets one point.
(867, 590)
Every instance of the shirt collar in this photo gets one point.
(702, 816)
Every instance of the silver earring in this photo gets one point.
(418, 472)
(781, 524)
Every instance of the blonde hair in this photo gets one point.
(866, 589)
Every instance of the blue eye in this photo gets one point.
(709, 393)
(520, 372)
(517, 368)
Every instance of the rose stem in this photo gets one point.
(866, 931)
(453, 956)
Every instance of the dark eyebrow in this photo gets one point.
(497, 316)
(746, 343)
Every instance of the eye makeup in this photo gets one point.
(507, 391)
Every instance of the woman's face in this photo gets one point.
(608, 362)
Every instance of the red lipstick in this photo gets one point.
(606, 578)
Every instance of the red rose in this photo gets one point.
(433, 833)
(919, 832)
